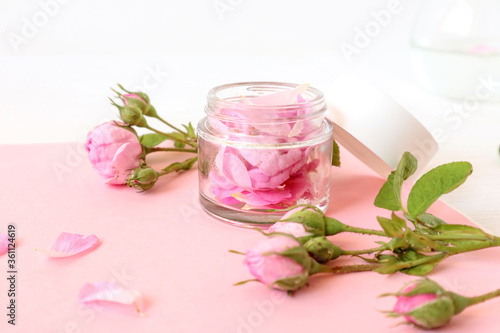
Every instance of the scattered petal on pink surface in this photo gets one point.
(104, 291)
(4, 244)
(67, 245)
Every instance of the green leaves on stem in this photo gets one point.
(438, 181)
(389, 196)
(413, 248)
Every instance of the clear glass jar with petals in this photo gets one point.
(263, 147)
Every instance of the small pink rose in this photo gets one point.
(272, 269)
(114, 152)
(425, 310)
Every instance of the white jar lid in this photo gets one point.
(374, 127)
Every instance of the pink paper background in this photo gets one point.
(162, 244)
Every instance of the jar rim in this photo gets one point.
(215, 102)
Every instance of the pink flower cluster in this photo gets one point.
(262, 177)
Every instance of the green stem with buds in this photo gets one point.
(347, 268)
(478, 245)
(367, 251)
(357, 230)
(192, 144)
(171, 126)
(157, 149)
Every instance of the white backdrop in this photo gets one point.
(58, 58)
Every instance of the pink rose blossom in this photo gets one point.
(114, 152)
(271, 268)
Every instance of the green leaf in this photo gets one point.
(391, 266)
(399, 222)
(386, 198)
(396, 244)
(152, 139)
(389, 196)
(459, 229)
(407, 166)
(178, 136)
(190, 130)
(178, 144)
(391, 229)
(429, 220)
(336, 154)
(419, 242)
(438, 181)
(176, 167)
(421, 269)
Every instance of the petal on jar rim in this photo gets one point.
(67, 245)
(109, 292)
(4, 244)
(281, 98)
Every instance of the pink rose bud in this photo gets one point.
(322, 250)
(312, 220)
(143, 179)
(295, 229)
(113, 151)
(425, 304)
(271, 265)
(141, 101)
(132, 115)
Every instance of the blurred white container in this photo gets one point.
(456, 48)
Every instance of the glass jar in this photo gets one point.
(456, 48)
(263, 146)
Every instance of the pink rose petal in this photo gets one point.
(4, 244)
(236, 171)
(281, 98)
(67, 245)
(104, 291)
